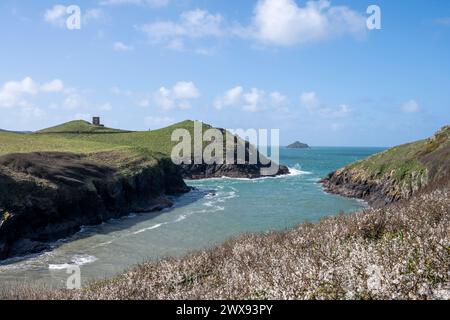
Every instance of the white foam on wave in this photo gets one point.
(78, 260)
(230, 195)
(181, 218)
(209, 204)
(298, 172)
(150, 228)
(58, 266)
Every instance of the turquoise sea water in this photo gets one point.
(217, 210)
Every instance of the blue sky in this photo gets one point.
(311, 69)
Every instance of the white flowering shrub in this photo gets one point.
(401, 251)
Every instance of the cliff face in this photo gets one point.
(376, 190)
(247, 162)
(247, 169)
(395, 174)
(47, 196)
(204, 171)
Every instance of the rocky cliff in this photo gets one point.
(395, 174)
(45, 196)
(241, 167)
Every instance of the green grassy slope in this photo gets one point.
(158, 141)
(82, 137)
(20, 143)
(416, 157)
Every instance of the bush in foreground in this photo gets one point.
(401, 251)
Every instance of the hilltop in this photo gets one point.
(79, 126)
(394, 174)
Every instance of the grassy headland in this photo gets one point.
(396, 173)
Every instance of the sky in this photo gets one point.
(312, 69)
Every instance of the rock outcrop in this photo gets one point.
(298, 145)
(376, 190)
(247, 163)
(248, 171)
(48, 196)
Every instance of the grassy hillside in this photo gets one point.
(62, 138)
(20, 143)
(394, 174)
(156, 140)
(404, 160)
(82, 137)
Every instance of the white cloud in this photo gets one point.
(312, 103)
(53, 86)
(253, 100)
(179, 96)
(274, 22)
(120, 46)
(410, 107)
(14, 93)
(284, 23)
(151, 3)
(57, 15)
(158, 122)
(185, 91)
(278, 99)
(232, 97)
(191, 24)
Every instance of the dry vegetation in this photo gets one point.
(401, 251)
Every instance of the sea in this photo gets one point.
(215, 211)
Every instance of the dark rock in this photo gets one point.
(298, 145)
(242, 167)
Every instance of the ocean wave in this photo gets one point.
(297, 172)
(150, 228)
(78, 260)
